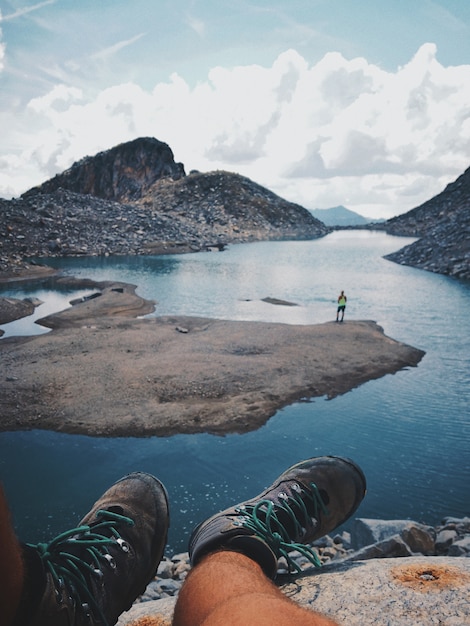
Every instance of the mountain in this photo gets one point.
(442, 225)
(339, 216)
(134, 199)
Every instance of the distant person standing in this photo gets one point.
(341, 306)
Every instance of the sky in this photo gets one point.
(325, 102)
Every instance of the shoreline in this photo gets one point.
(103, 372)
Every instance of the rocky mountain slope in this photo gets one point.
(443, 227)
(134, 199)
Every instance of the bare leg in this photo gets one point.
(11, 568)
(229, 588)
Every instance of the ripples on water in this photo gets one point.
(409, 431)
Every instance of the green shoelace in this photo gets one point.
(68, 569)
(264, 520)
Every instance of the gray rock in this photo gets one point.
(368, 531)
(343, 539)
(424, 591)
(165, 569)
(391, 547)
(445, 538)
(419, 539)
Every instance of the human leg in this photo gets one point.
(11, 570)
(231, 589)
(306, 502)
(90, 574)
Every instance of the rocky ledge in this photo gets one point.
(362, 581)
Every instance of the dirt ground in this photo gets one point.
(102, 371)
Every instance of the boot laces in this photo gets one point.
(280, 524)
(71, 571)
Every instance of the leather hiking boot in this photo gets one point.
(94, 572)
(307, 501)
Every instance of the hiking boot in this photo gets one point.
(307, 501)
(94, 572)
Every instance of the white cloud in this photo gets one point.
(337, 132)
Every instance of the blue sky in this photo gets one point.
(325, 102)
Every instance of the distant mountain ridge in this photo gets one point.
(339, 216)
(134, 199)
(443, 227)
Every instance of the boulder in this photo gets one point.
(418, 537)
(402, 592)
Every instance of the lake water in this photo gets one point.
(410, 431)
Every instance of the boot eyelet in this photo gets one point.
(111, 561)
(123, 545)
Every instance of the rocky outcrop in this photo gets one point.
(123, 173)
(135, 200)
(443, 227)
(361, 581)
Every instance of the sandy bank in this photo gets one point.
(103, 372)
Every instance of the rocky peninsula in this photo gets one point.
(103, 372)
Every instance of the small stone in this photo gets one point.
(165, 569)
